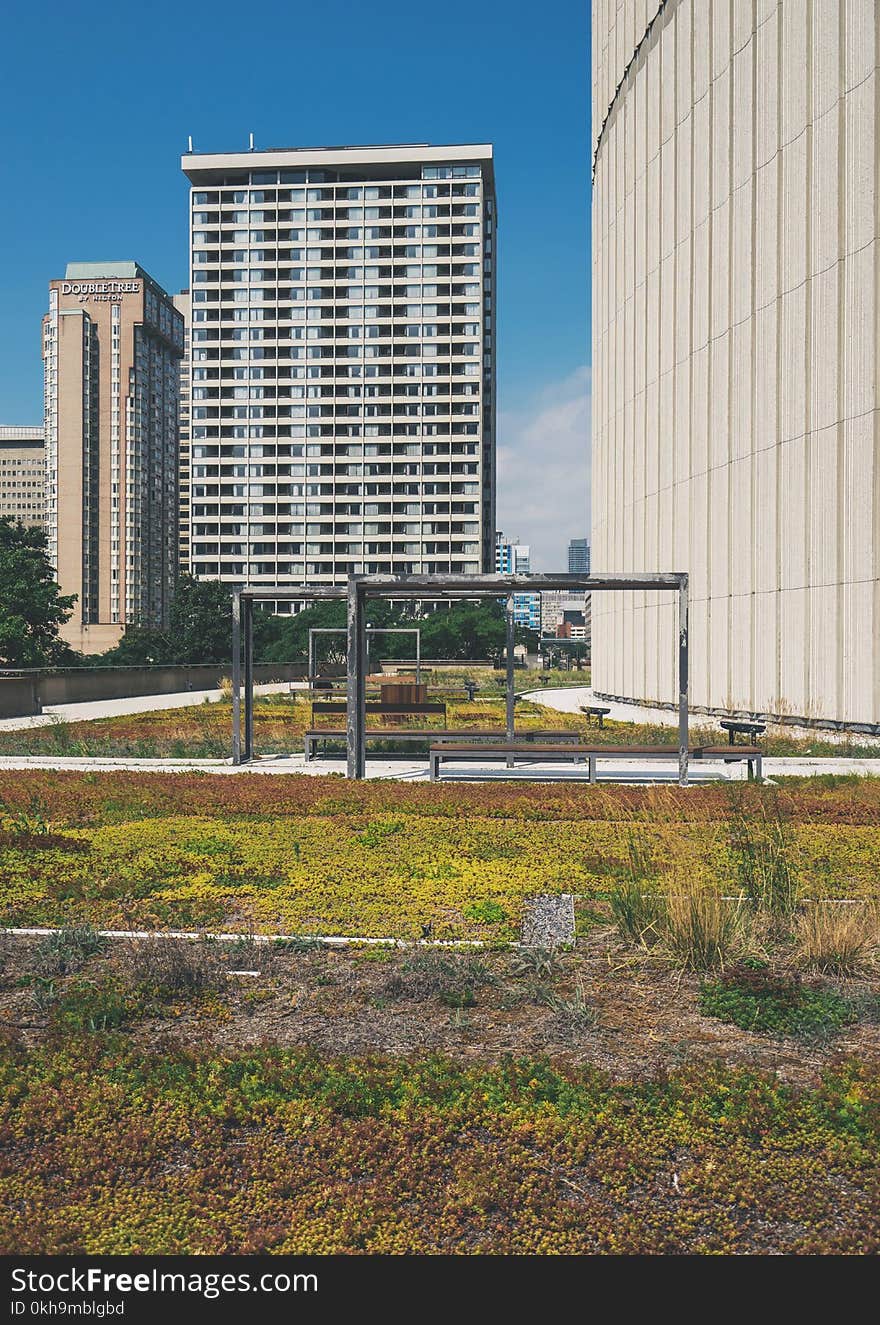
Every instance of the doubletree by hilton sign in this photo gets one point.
(100, 291)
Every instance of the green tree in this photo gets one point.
(465, 632)
(200, 627)
(32, 608)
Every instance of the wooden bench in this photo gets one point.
(577, 753)
(315, 735)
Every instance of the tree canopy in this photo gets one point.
(32, 607)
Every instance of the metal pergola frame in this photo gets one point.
(428, 588)
(243, 652)
(439, 587)
(371, 630)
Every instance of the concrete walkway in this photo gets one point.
(570, 701)
(112, 708)
(416, 770)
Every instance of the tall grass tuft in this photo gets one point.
(701, 931)
(838, 940)
(762, 849)
(638, 915)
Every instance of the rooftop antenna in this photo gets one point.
(251, 145)
(189, 140)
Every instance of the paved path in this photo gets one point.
(111, 708)
(570, 701)
(416, 770)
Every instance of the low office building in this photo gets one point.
(112, 344)
(22, 475)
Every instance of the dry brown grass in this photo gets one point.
(701, 930)
(839, 939)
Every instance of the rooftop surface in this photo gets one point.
(198, 166)
(10, 432)
(89, 271)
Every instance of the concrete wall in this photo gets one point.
(25, 695)
(735, 356)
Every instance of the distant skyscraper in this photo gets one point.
(343, 362)
(182, 304)
(23, 475)
(112, 342)
(512, 558)
(579, 556)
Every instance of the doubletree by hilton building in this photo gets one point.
(343, 362)
(112, 344)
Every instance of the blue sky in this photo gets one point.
(99, 98)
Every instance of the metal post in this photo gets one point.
(418, 655)
(236, 678)
(683, 682)
(248, 635)
(356, 682)
(311, 673)
(511, 634)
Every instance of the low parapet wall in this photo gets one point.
(23, 694)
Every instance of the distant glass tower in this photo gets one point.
(579, 556)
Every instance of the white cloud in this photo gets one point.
(544, 470)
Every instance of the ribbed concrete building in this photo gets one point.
(735, 314)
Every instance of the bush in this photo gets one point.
(836, 938)
(172, 968)
(68, 949)
(774, 1004)
(486, 913)
(539, 963)
(574, 1015)
(89, 1006)
(448, 976)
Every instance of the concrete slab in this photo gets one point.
(416, 770)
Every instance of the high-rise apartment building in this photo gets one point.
(112, 343)
(736, 397)
(512, 558)
(343, 363)
(182, 303)
(23, 475)
(579, 556)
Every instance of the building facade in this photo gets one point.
(183, 305)
(112, 343)
(561, 609)
(579, 556)
(23, 475)
(343, 363)
(735, 315)
(512, 558)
